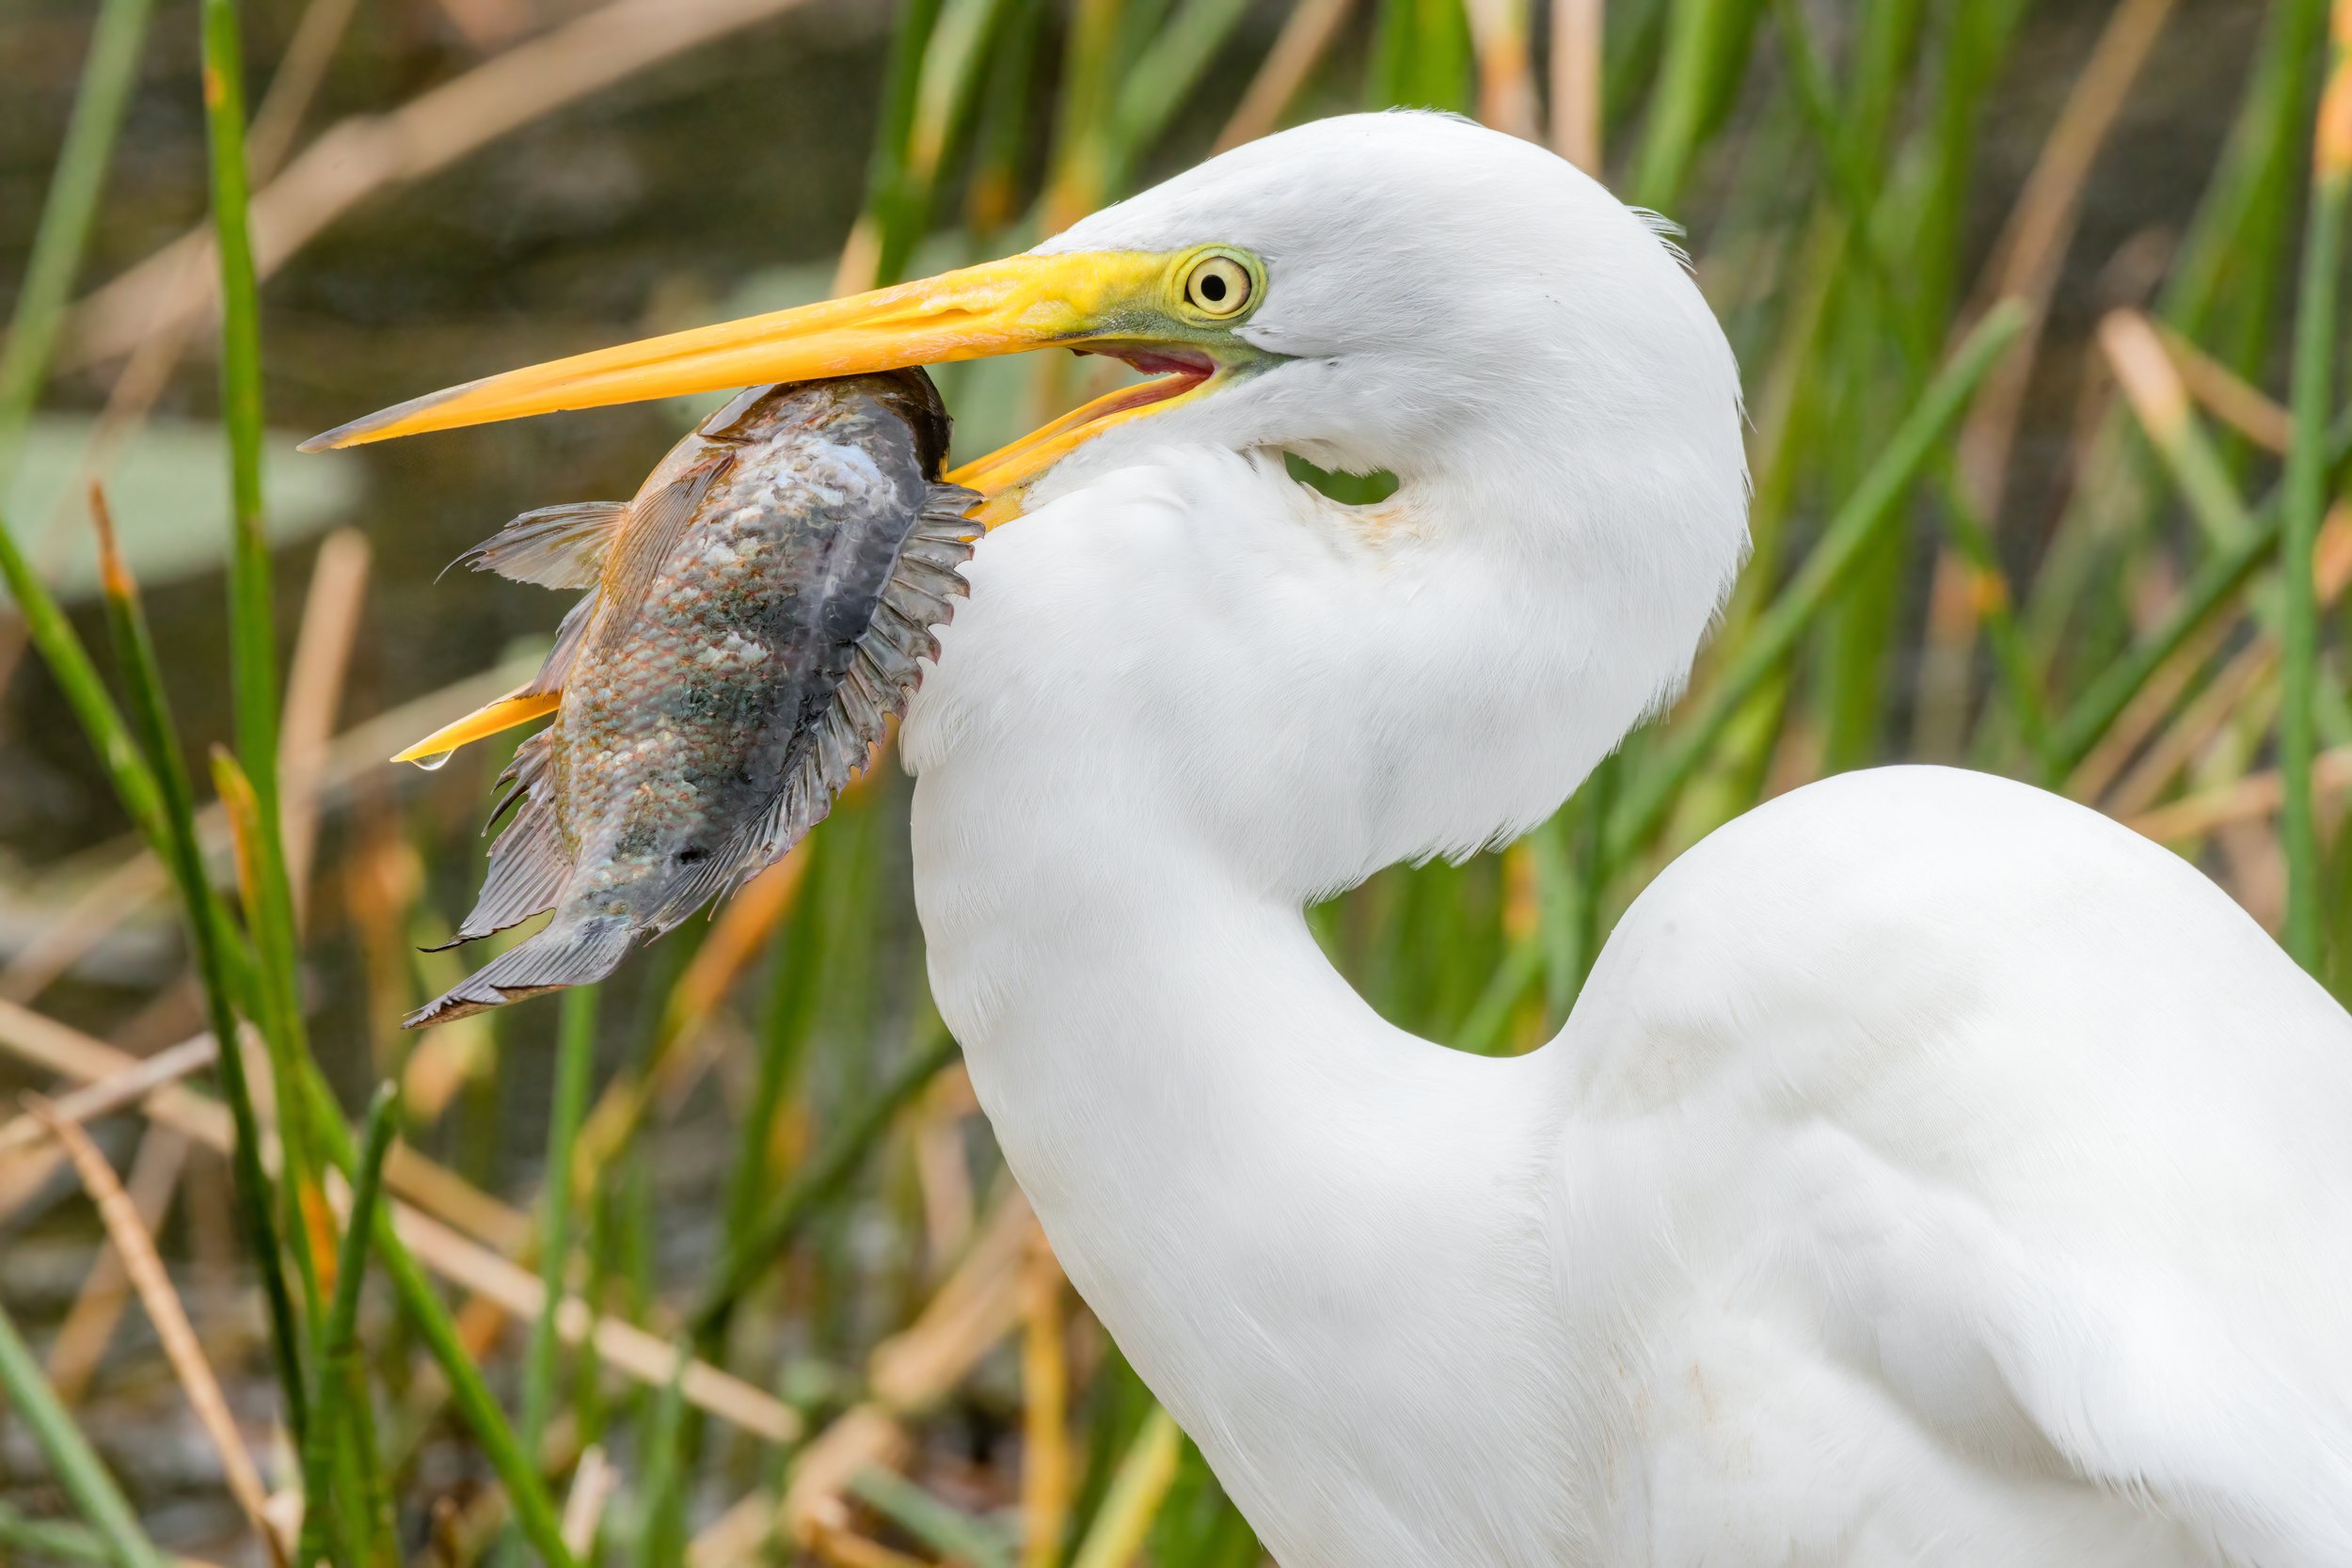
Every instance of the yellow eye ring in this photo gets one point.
(1218, 286)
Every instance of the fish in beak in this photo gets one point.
(1170, 315)
(748, 625)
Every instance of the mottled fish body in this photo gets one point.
(755, 616)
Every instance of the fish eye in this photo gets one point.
(1218, 286)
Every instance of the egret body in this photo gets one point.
(1932, 1172)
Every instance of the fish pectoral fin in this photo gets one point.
(529, 863)
(555, 547)
(518, 706)
(655, 525)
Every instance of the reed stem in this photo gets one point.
(253, 630)
(108, 73)
(575, 1047)
(71, 1460)
(214, 944)
(2305, 497)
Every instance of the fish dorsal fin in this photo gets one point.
(657, 520)
(555, 547)
(884, 670)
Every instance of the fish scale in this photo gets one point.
(754, 617)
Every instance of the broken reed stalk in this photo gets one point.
(71, 1460)
(2227, 395)
(89, 1327)
(2313, 394)
(2160, 400)
(211, 941)
(137, 1248)
(333, 608)
(112, 1094)
(55, 1047)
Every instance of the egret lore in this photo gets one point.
(1931, 1172)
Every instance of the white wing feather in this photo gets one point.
(2025, 1137)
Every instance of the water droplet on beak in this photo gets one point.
(434, 762)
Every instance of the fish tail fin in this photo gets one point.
(560, 956)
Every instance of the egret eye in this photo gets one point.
(1217, 286)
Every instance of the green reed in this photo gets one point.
(99, 102)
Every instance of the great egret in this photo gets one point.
(1932, 1171)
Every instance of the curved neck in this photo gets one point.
(1127, 1010)
(1179, 701)
(1291, 1215)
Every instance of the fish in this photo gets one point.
(753, 619)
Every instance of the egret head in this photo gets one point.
(1400, 292)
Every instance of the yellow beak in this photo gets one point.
(1112, 298)
(1007, 306)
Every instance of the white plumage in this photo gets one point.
(1932, 1171)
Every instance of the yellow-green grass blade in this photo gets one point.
(269, 914)
(2305, 499)
(108, 73)
(422, 1305)
(252, 633)
(341, 1477)
(71, 1460)
(576, 1045)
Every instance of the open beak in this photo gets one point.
(1110, 302)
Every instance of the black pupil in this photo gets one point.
(1212, 288)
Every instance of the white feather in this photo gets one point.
(1932, 1171)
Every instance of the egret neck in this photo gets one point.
(1295, 1218)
